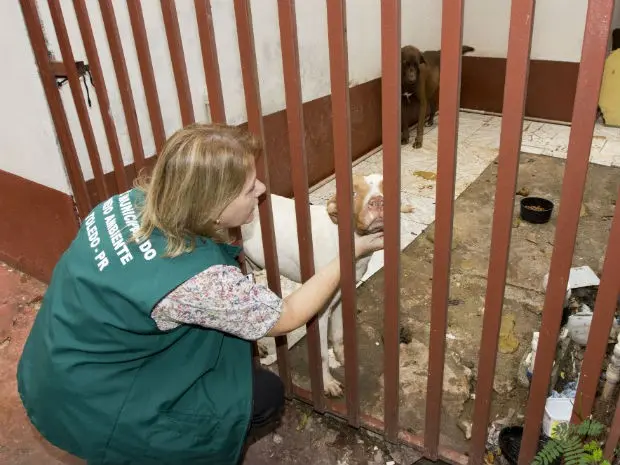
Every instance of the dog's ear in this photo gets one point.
(332, 210)
(422, 60)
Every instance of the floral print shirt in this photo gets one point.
(221, 298)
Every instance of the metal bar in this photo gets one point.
(341, 126)
(613, 438)
(449, 98)
(375, 425)
(245, 35)
(177, 56)
(299, 175)
(391, 96)
(582, 128)
(136, 17)
(204, 17)
(604, 311)
(78, 97)
(59, 117)
(122, 78)
(102, 94)
(515, 90)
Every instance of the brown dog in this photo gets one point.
(420, 89)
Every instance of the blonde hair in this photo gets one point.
(201, 169)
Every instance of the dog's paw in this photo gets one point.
(332, 387)
(417, 143)
(263, 350)
(404, 140)
(430, 123)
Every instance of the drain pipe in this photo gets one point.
(613, 372)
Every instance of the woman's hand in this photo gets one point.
(368, 244)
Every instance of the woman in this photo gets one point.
(141, 351)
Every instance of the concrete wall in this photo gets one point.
(27, 139)
(28, 145)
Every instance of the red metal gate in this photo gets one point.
(521, 23)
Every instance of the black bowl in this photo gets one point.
(536, 210)
(510, 444)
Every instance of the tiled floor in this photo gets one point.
(478, 146)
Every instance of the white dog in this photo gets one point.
(368, 218)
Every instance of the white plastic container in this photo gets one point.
(558, 410)
(579, 325)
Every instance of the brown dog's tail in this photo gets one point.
(467, 49)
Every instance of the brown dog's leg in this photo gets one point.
(433, 109)
(404, 124)
(422, 76)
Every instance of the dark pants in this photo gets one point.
(268, 403)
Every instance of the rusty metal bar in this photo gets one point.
(377, 426)
(391, 96)
(210, 62)
(613, 438)
(59, 117)
(341, 126)
(449, 99)
(515, 90)
(78, 98)
(604, 310)
(245, 35)
(177, 56)
(582, 128)
(134, 8)
(102, 94)
(299, 175)
(122, 78)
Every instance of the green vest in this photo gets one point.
(99, 380)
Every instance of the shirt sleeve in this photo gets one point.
(221, 298)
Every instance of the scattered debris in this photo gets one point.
(303, 422)
(454, 302)
(508, 342)
(504, 386)
(406, 335)
(277, 438)
(526, 367)
(582, 276)
(558, 410)
(579, 325)
(516, 223)
(466, 427)
(403, 455)
(523, 192)
(428, 175)
(407, 208)
(569, 392)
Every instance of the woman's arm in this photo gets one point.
(299, 307)
(222, 298)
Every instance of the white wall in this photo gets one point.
(485, 28)
(27, 139)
